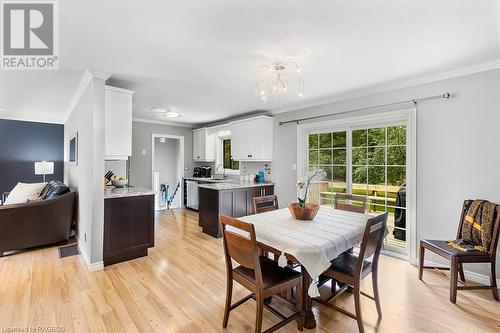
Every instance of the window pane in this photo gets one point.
(325, 156)
(314, 191)
(359, 156)
(338, 187)
(359, 175)
(339, 139)
(359, 138)
(339, 174)
(328, 170)
(396, 224)
(376, 179)
(325, 140)
(396, 155)
(313, 156)
(396, 176)
(313, 141)
(226, 146)
(376, 136)
(396, 135)
(400, 196)
(339, 156)
(376, 156)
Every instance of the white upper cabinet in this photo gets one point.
(203, 145)
(252, 139)
(118, 123)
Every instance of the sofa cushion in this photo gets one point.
(56, 190)
(48, 187)
(22, 192)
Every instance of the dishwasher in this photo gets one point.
(192, 194)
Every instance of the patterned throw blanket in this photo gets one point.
(477, 227)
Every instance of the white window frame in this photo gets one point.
(375, 120)
(219, 149)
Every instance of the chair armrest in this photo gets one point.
(4, 196)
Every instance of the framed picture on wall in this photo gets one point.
(73, 149)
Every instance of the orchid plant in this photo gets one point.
(315, 174)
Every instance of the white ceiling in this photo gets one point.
(200, 57)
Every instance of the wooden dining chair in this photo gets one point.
(457, 258)
(350, 270)
(350, 202)
(265, 204)
(259, 274)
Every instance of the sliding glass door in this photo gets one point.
(365, 160)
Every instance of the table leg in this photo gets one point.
(309, 320)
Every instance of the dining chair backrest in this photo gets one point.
(495, 228)
(373, 238)
(265, 204)
(350, 202)
(241, 249)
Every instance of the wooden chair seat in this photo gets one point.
(457, 258)
(272, 274)
(447, 251)
(347, 263)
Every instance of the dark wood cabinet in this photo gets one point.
(128, 228)
(232, 202)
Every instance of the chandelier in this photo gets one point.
(279, 79)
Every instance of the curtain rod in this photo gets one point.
(414, 101)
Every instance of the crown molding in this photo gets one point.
(381, 88)
(159, 122)
(34, 119)
(87, 77)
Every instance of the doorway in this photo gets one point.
(167, 170)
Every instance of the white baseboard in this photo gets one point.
(92, 267)
(472, 276)
(97, 266)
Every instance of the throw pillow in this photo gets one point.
(23, 191)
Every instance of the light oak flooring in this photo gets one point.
(180, 287)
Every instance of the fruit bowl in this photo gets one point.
(119, 182)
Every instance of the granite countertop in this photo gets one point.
(114, 192)
(229, 185)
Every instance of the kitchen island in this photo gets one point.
(128, 223)
(229, 198)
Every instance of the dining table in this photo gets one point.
(311, 244)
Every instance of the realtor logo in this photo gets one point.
(30, 35)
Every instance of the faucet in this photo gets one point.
(223, 170)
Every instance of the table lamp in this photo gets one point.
(44, 168)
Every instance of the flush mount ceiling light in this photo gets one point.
(172, 114)
(279, 79)
(167, 113)
(3, 109)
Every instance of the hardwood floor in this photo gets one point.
(180, 287)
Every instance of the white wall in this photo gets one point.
(86, 117)
(140, 161)
(457, 149)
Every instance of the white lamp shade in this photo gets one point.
(44, 168)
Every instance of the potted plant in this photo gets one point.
(302, 210)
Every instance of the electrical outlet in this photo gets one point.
(294, 166)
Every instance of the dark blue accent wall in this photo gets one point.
(23, 143)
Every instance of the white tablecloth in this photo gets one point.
(313, 243)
